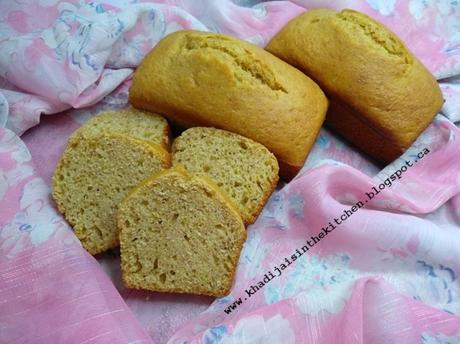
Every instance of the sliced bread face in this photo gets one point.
(93, 176)
(179, 233)
(138, 124)
(244, 169)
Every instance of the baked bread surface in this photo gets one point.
(208, 79)
(179, 233)
(381, 96)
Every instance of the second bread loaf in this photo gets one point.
(381, 96)
(207, 79)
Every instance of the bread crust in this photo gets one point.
(368, 74)
(288, 171)
(207, 79)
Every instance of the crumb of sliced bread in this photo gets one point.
(244, 169)
(92, 177)
(179, 233)
(138, 124)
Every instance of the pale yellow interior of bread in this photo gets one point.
(178, 235)
(135, 123)
(93, 176)
(245, 170)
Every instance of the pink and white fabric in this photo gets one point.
(389, 273)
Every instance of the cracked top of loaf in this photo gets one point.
(207, 79)
(382, 97)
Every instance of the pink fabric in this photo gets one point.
(388, 273)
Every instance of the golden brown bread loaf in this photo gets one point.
(179, 233)
(381, 96)
(207, 79)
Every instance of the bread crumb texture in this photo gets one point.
(92, 177)
(138, 124)
(244, 169)
(179, 234)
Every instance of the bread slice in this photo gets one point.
(92, 177)
(179, 233)
(138, 124)
(244, 169)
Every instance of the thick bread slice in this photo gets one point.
(207, 79)
(92, 177)
(138, 124)
(245, 170)
(179, 233)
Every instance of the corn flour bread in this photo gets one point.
(207, 79)
(381, 96)
(132, 122)
(244, 169)
(92, 177)
(179, 233)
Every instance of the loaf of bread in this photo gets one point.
(381, 96)
(92, 177)
(138, 124)
(244, 169)
(179, 233)
(208, 79)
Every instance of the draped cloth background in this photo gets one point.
(388, 274)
